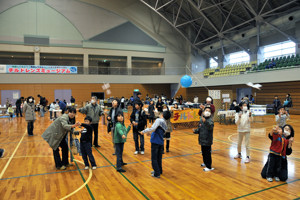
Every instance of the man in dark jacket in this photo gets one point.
(18, 106)
(139, 122)
(277, 104)
(111, 117)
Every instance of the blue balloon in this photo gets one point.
(186, 81)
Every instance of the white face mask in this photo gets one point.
(93, 101)
(30, 100)
(234, 103)
(287, 133)
(245, 108)
(206, 114)
(165, 110)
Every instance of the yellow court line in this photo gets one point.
(8, 162)
(29, 157)
(86, 182)
(179, 187)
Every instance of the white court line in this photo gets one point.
(8, 162)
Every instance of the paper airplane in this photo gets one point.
(256, 86)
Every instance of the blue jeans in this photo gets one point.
(42, 111)
(156, 158)
(119, 153)
(136, 136)
(86, 151)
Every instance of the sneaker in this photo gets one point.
(2, 153)
(277, 179)
(247, 160)
(142, 152)
(121, 170)
(202, 165)
(152, 172)
(69, 165)
(155, 176)
(86, 167)
(114, 154)
(63, 167)
(207, 169)
(136, 152)
(270, 179)
(238, 156)
(94, 167)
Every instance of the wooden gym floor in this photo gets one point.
(27, 170)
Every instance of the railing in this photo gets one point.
(131, 71)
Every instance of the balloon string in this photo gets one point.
(196, 77)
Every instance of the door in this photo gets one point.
(11, 95)
(242, 92)
(63, 95)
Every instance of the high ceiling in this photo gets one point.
(203, 22)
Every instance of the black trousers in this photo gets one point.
(282, 173)
(151, 120)
(95, 129)
(156, 158)
(206, 154)
(18, 110)
(136, 136)
(86, 151)
(30, 127)
(119, 153)
(57, 159)
(273, 167)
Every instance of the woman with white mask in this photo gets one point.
(243, 120)
(30, 117)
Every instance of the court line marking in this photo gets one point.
(123, 175)
(85, 183)
(246, 195)
(179, 187)
(10, 159)
(23, 142)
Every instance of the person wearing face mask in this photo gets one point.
(205, 139)
(282, 116)
(243, 120)
(94, 111)
(208, 103)
(233, 105)
(276, 165)
(55, 136)
(30, 117)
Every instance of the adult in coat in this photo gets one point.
(30, 117)
(55, 136)
(94, 111)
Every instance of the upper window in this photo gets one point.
(279, 49)
(212, 63)
(238, 57)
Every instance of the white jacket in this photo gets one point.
(243, 122)
(52, 107)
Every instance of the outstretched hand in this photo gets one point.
(123, 136)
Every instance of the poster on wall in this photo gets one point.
(2, 69)
(39, 69)
(215, 94)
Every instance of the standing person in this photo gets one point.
(93, 110)
(18, 106)
(233, 105)
(243, 120)
(52, 110)
(72, 100)
(288, 133)
(157, 131)
(29, 110)
(86, 143)
(159, 105)
(246, 99)
(120, 133)
(137, 98)
(277, 151)
(114, 111)
(208, 103)
(288, 103)
(151, 110)
(43, 104)
(205, 131)
(282, 116)
(196, 99)
(167, 135)
(277, 104)
(176, 107)
(10, 111)
(55, 136)
(139, 122)
(62, 106)
(251, 100)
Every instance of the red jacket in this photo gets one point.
(279, 145)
